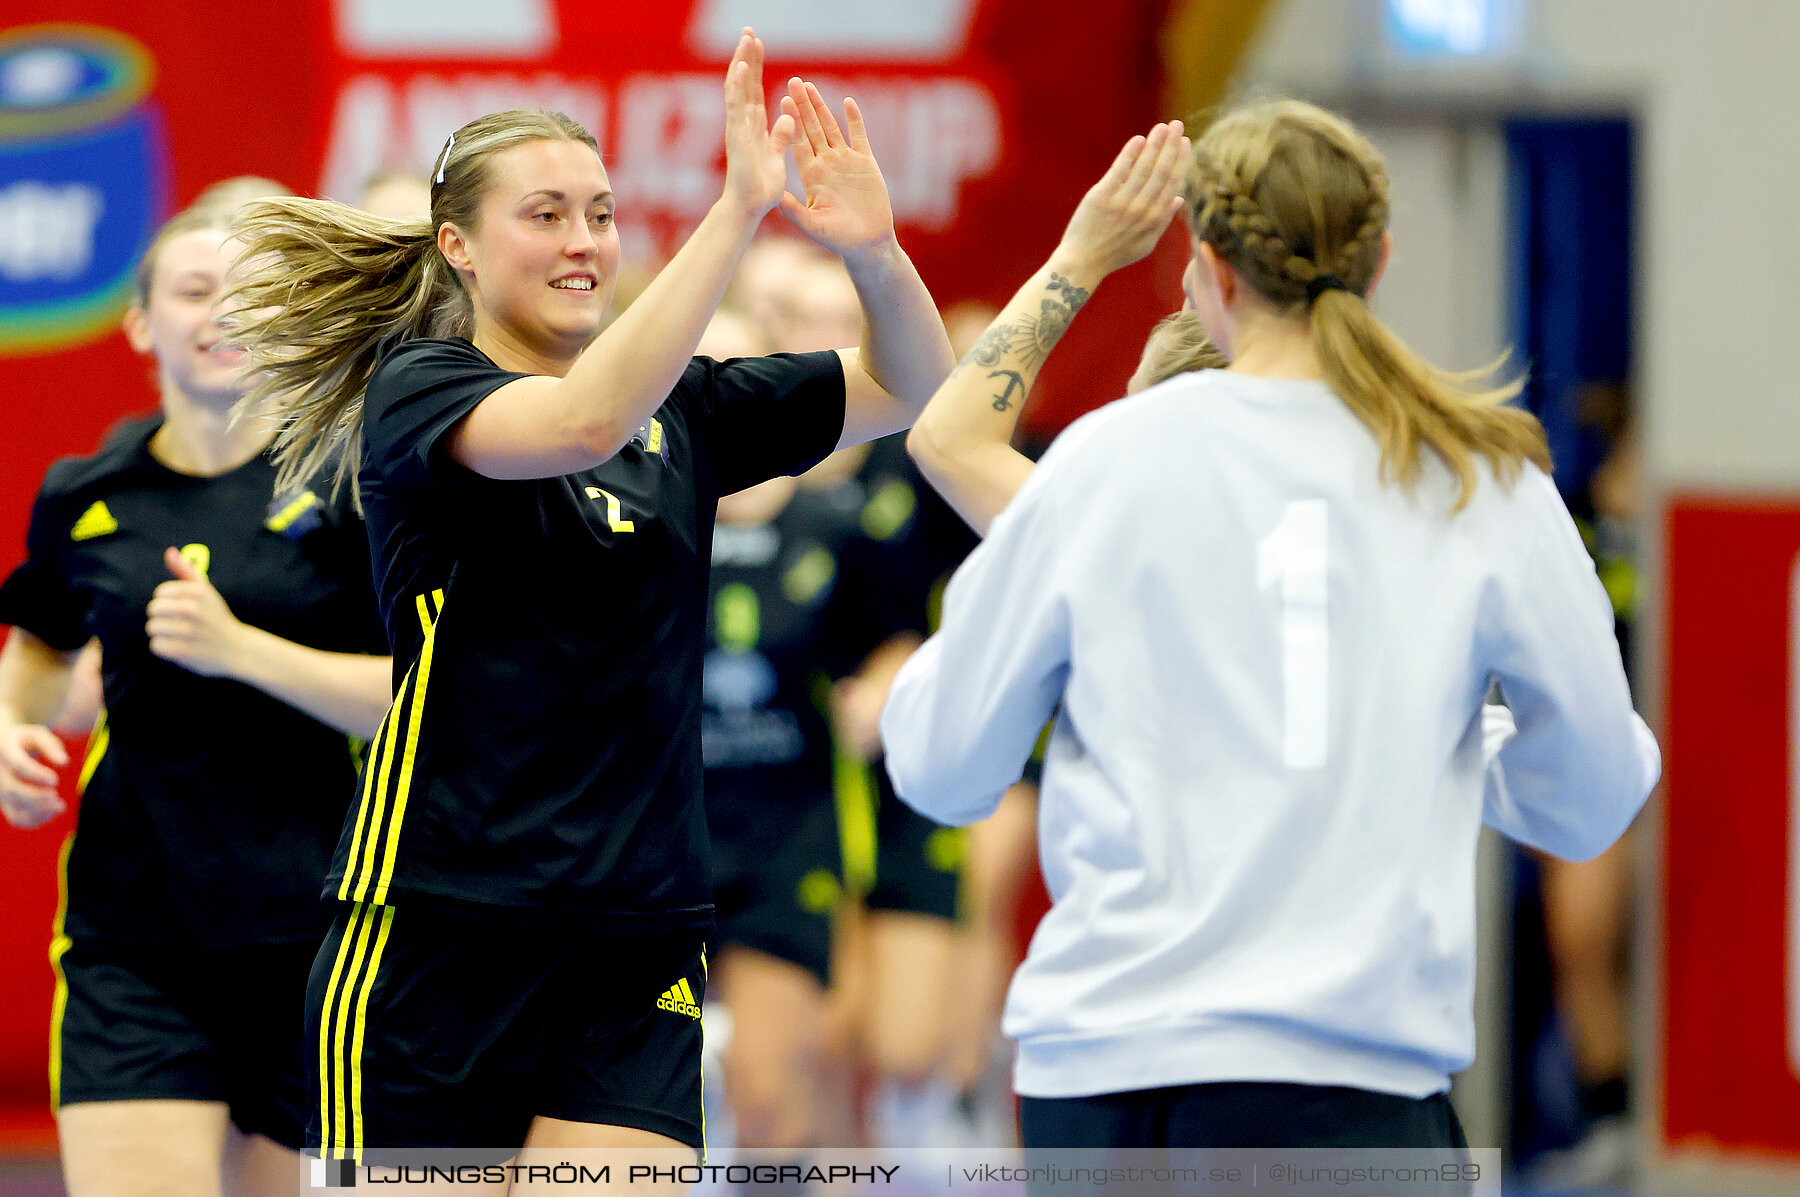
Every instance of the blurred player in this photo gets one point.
(233, 618)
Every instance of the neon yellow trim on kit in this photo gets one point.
(97, 744)
(328, 1086)
(284, 519)
(361, 1022)
(404, 789)
(854, 790)
(356, 870)
(59, 947)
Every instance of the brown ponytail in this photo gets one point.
(1287, 193)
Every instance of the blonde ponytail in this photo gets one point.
(328, 291)
(1406, 401)
(1295, 200)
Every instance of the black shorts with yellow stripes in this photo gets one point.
(441, 1029)
(135, 1023)
(918, 864)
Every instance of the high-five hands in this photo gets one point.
(847, 208)
(1122, 217)
(755, 152)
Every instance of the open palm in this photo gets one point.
(847, 207)
(755, 153)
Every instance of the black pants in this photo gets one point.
(1242, 1115)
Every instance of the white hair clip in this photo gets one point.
(445, 160)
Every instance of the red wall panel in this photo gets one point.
(1731, 964)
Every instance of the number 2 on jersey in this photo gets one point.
(1295, 556)
(614, 512)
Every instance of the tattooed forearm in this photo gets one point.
(994, 345)
(1073, 297)
(1054, 317)
(1003, 399)
(1031, 338)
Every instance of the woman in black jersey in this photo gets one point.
(774, 642)
(517, 958)
(233, 620)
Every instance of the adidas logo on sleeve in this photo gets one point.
(679, 999)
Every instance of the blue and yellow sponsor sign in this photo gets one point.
(83, 181)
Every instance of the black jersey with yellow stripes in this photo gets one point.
(209, 808)
(543, 751)
(774, 635)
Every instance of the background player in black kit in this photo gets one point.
(778, 600)
(518, 956)
(232, 621)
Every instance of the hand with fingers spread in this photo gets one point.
(190, 624)
(962, 442)
(755, 152)
(30, 755)
(847, 208)
(1122, 217)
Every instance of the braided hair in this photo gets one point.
(1295, 200)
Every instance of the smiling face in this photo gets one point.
(177, 322)
(541, 260)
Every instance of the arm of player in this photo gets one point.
(1582, 763)
(190, 624)
(34, 679)
(857, 700)
(966, 709)
(904, 353)
(541, 427)
(962, 442)
(81, 706)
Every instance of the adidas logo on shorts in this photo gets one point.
(679, 999)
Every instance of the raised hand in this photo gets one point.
(846, 209)
(189, 623)
(755, 153)
(1122, 217)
